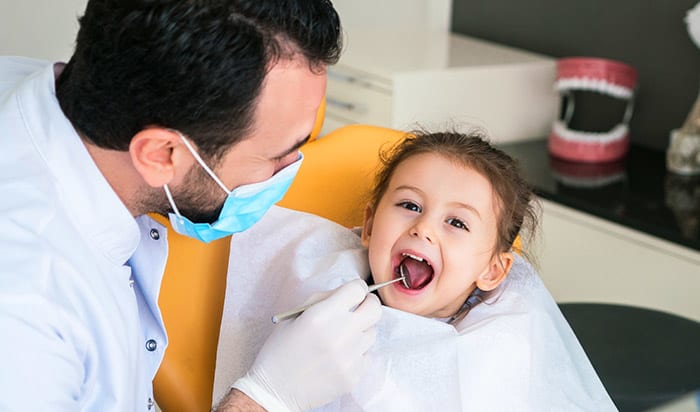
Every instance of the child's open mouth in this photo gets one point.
(417, 271)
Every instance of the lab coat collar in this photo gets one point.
(95, 208)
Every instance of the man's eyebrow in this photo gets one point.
(294, 148)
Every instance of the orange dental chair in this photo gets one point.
(332, 182)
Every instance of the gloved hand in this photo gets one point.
(313, 359)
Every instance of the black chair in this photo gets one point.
(645, 358)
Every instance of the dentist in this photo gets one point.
(191, 109)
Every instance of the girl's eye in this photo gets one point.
(457, 223)
(409, 206)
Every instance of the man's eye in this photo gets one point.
(410, 206)
(457, 223)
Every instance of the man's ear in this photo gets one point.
(157, 155)
(367, 226)
(497, 271)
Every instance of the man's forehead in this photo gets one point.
(286, 110)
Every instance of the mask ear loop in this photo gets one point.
(170, 199)
(201, 162)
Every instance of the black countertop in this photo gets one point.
(636, 191)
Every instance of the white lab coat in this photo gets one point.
(74, 315)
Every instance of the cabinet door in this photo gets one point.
(586, 259)
(357, 99)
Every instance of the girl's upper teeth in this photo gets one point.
(414, 257)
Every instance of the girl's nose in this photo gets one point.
(422, 229)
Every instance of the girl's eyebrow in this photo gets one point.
(468, 207)
(411, 188)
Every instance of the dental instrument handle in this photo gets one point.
(290, 314)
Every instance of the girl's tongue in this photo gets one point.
(418, 273)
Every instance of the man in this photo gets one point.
(173, 107)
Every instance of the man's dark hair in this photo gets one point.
(193, 65)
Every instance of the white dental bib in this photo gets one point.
(515, 352)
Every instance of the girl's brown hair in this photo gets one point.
(515, 200)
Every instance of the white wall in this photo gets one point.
(43, 29)
(46, 28)
(401, 15)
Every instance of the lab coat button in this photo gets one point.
(151, 345)
(154, 234)
(150, 403)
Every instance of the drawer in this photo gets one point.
(358, 102)
(586, 259)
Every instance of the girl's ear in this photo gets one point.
(367, 226)
(497, 271)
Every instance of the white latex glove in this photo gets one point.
(313, 359)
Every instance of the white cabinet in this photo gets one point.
(586, 259)
(402, 79)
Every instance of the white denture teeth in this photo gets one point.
(597, 85)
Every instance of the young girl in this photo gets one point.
(445, 211)
(472, 329)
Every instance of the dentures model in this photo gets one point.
(603, 76)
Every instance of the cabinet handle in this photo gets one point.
(340, 104)
(341, 77)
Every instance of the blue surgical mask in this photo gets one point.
(244, 206)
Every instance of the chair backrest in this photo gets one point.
(333, 182)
